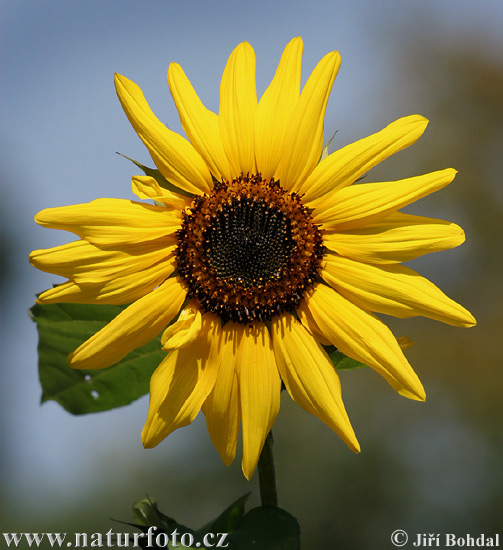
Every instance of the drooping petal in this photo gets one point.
(275, 109)
(367, 203)
(174, 156)
(181, 384)
(185, 330)
(260, 387)
(113, 290)
(310, 377)
(238, 108)
(200, 124)
(393, 290)
(134, 327)
(346, 165)
(398, 238)
(361, 336)
(303, 141)
(112, 221)
(146, 187)
(222, 407)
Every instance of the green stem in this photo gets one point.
(266, 474)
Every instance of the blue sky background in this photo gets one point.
(61, 125)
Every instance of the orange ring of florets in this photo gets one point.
(248, 250)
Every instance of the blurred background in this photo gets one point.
(424, 468)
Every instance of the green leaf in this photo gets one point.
(341, 361)
(61, 329)
(266, 528)
(228, 520)
(161, 180)
(262, 528)
(147, 514)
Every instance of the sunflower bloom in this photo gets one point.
(257, 257)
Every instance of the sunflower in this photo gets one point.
(254, 257)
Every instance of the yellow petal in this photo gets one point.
(393, 290)
(260, 387)
(134, 327)
(173, 155)
(345, 166)
(366, 203)
(114, 290)
(361, 336)
(86, 263)
(238, 108)
(199, 123)
(397, 238)
(181, 384)
(275, 109)
(310, 377)
(221, 408)
(106, 222)
(146, 187)
(303, 141)
(185, 330)
(310, 325)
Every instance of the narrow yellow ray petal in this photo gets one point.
(137, 325)
(310, 377)
(160, 267)
(303, 141)
(361, 336)
(85, 262)
(222, 408)
(345, 166)
(398, 238)
(146, 187)
(110, 289)
(200, 124)
(109, 222)
(310, 325)
(275, 109)
(393, 290)
(185, 330)
(181, 384)
(366, 203)
(260, 387)
(238, 108)
(174, 156)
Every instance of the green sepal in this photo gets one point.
(161, 180)
(341, 361)
(61, 329)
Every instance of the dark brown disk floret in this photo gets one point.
(248, 250)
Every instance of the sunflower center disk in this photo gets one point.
(248, 250)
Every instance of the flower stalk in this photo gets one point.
(267, 474)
